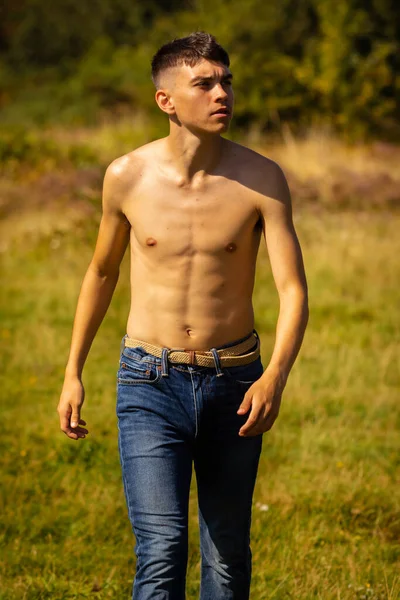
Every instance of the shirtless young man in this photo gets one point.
(193, 206)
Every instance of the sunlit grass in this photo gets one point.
(321, 153)
(326, 520)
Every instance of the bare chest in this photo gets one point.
(221, 219)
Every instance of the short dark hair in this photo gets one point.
(187, 50)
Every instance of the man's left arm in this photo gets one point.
(264, 396)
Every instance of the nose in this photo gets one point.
(220, 91)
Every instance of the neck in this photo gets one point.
(192, 155)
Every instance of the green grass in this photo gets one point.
(326, 520)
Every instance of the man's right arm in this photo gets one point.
(95, 295)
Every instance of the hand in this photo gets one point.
(69, 408)
(264, 398)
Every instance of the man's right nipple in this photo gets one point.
(151, 241)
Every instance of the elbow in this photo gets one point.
(305, 309)
(297, 296)
(295, 293)
(104, 271)
(303, 301)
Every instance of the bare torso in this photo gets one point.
(193, 251)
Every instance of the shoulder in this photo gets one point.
(124, 173)
(254, 162)
(125, 169)
(261, 174)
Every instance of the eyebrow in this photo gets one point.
(209, 78)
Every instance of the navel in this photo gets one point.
(189, 331)
(231, 247)
(151, 241)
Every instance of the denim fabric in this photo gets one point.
(166, 424)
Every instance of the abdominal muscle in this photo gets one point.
(195, 302)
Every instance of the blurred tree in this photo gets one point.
(298, 61)
(347, 66)
(33, 32)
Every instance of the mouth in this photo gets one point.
(223, 112)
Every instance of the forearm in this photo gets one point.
(94, 299)
(291, 325)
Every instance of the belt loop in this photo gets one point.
(164, 362)
(122, 344)
(217, 362)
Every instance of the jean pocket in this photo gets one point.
(245, 375)
(135, 370)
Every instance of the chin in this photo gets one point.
(214, 130)
(223, 127)
(218, 127)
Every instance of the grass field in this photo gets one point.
(326, 519)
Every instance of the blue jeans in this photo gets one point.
(166, 424)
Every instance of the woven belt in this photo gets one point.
(227, 356)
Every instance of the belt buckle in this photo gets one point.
(192, 353)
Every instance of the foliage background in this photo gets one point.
(304, 62)
(317, 89)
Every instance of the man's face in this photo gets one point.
(198, 93)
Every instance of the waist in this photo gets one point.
(238, 352)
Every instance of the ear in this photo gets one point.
(165, 102)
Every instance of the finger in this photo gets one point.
(270, 420)
(251, 422)
(75, 417)
(72, 433)
(252, 432)
(75, 434)
(64, 422)
(80, 430)
(264, 423)
(245, 405)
